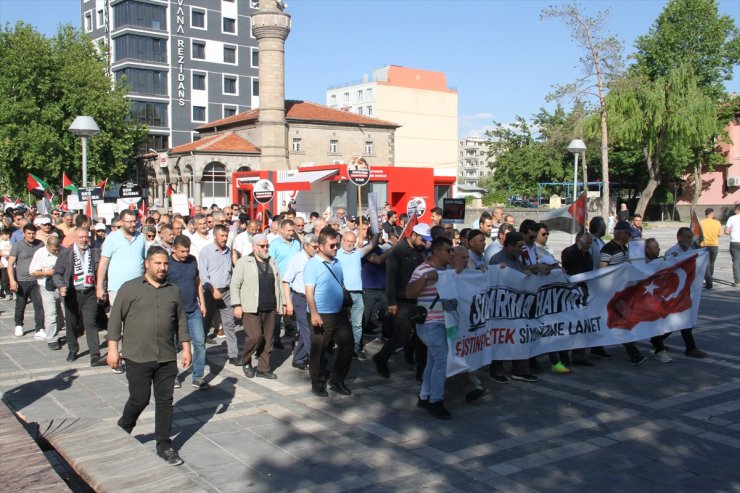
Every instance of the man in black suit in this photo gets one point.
(74, 275)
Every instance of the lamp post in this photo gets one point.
(576, 146)
(84, 127)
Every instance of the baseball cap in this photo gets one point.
(423, 230)
(352, 219)
(100, 227)
(42, 220)
(622, 226)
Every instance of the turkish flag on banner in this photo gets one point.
(413, 221)
(665, 292)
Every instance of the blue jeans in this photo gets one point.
(434, 336)
(197, 343)
(356, 313)
(303, 347)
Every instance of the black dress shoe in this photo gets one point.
(319, 391)
(72, 356)
(382, 367)
(265, 374)
(98, 361)
(340, 388)
(55, 346)
(300, 366)
(248, 371)
(235, 361)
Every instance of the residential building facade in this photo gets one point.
(186, 62)
(418, 100)
(472, 162)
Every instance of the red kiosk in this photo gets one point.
(313, 188)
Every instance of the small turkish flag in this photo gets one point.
(665, 292)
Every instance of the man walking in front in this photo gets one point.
(711, 229)
(329, 320)
(22, 283)
(294, 293)
(42, 268)
(153, 313)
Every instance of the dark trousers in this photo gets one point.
(303, 348)
(518, 367)
(735, 255)
(258, 328)
(336, 330)
(709, 274)
(4, 281)
(686, 334)
(376, 309)
(402, 331)
(141, 377)
(29, 290)
(81, 314)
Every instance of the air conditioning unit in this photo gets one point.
(733, 181)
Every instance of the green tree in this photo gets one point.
(44, 84)
(693, 33)
(601, 63)
(665, 118)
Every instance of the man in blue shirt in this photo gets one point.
(183, 273)
(282, 249)
(350, 258)
(323, 279)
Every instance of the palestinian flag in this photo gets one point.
(102, 184)
(67, 183)
(413, 221)
(569, 218)
(696, 229)
(90, 209)
(167, 195)
(191, 208)
(36, 185)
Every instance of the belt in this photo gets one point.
(296, 292)
(223, 290)
(355, 292)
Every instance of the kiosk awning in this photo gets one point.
(309, 176)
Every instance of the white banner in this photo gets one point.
(502, 314)
(179, 203)
(372, 204)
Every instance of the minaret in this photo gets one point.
(271, 27)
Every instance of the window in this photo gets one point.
(199, 50)
(229, 85)
(153, 141)
(333, 100)
(88, 22)
(359, 110)
(140, 14)
(345, 98)
(229, 111)
(198, 19)
(369, 94)
(137, 47)
(152, 114)
(255, 87)
(255, 4)
(101, 18)
(333, 146)
(229, 54)
(199, 82)
(359, 95)
(143, 81)
(213, 184)
(255, 57)
(369, 147)
(369, 111)
(297, 146)
(199, 113)
(229, 25)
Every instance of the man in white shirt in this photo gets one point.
(243, 241)
(42, 268)
(202, 237)
(732, 228)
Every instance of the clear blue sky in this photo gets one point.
(498, 54)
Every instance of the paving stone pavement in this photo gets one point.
(614, 427)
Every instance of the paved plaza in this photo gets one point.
(614, 427)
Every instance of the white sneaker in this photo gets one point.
(19, 331)
(663, 357)
(40, 335)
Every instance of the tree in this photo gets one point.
(601, 63)
(665, 119)
(693, 33)
(44, 84)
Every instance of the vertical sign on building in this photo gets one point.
(179, 68)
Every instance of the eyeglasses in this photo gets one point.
(151, 237)
(333, 246)
(314, 246)
(261, 246)
(545, 234)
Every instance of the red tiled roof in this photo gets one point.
(304, 111)
(226, 142)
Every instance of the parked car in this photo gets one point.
(523, 204)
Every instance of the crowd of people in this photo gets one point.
(321, 285)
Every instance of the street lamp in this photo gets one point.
(85, 127)
(576, 146)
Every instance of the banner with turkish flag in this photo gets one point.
(502, 314)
